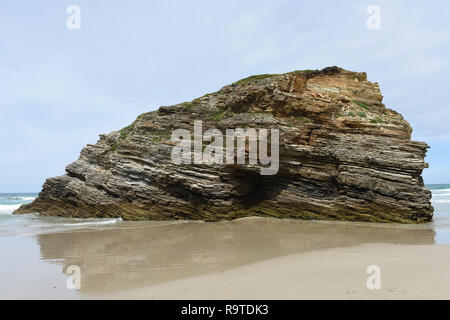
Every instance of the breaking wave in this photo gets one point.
(8, 208)
(92, 223)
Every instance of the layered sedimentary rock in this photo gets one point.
(342, 156)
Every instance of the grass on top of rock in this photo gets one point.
(302, 72)
(145, 116)
(362, 105)
(197, 100)
(268, 75)
(123, 133)
(188, 105)
(255, 77)
(222, 114)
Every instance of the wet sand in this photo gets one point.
(407, 272)
(247, 258)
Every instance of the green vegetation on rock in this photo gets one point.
(125, 131)
(264, 76)
(188, 105)
(222, 114)
(113, 146)
(376, 120)
(362, 105)
(255, 77)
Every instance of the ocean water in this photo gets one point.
(441, 204)
(34, 224)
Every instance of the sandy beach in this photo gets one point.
(250, 258)
(407, 272)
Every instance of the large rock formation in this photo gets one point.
(343, 156)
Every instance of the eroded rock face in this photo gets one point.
(343, 156)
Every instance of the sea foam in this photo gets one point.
(441, 201)
(93, 223)
(8, 208)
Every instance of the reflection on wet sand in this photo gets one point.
(133, 255)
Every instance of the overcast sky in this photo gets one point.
(61, 88)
